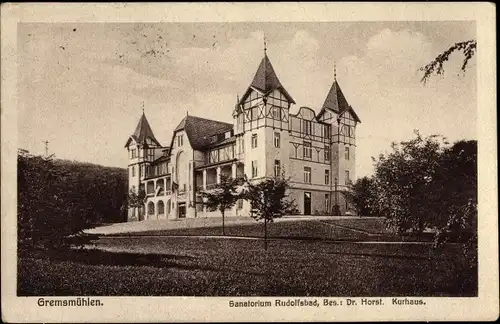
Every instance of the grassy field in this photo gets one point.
(163, 266)
(331, 230)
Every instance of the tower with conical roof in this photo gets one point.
(337, 112)
(261, 122)
(143, 148)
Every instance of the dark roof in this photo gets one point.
(161, 159)
(143, 131)
(224, 141)
(336, 101)
(266, 80)
(200, 130)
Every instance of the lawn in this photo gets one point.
(331, 230)
(373, 225)
(297, 229)
(165, 266)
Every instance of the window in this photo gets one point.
(346, 153)
(347, 130)
(327, 132)
(277, 168)
(240, 203)
(213, 156)
(307, 127)
(254, 113)
(133, 171)
(134, 153)
(307, 174)
(151, 154)
(254, 140)
(227, 135)
(277, 139)
(254, 169)
(242, 145)
(328, 152)
(307, 150)
(327, 202)
(327, 177)
(214, 139)
(276, 113)
(347, 180)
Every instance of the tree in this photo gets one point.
(223, 196)
(403, 181)
(468, 49)
(269, 200)
(361, 196)
(457, 182)
(425, 183)
(137, 199)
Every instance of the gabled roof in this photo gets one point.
(142, 132)
(200, 130)
(266, 80)
(336, 102)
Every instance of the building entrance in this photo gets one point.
(307, 203)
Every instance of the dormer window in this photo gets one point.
(213, 139)
(227, 135)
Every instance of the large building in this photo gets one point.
(317, 152)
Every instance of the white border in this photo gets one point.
(133, 309)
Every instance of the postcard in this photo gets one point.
(235, 162)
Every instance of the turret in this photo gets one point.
(337, 112)
(143, 148)
(264, 108)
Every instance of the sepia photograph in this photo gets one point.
(299, 160)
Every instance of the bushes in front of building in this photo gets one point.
(59, 198)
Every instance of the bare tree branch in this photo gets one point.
(468, 49)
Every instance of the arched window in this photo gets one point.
(161, 207)
(151, 208)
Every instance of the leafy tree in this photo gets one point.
(468, 49)
(269, 200)
(425, 183)
(361, 195)
(137, 199)
(403, 181)
(224, 196)
(456, 188)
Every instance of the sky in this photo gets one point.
(82, 86)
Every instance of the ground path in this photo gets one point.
(158, 225)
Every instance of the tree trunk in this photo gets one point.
(265, 233)
(223, 224)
